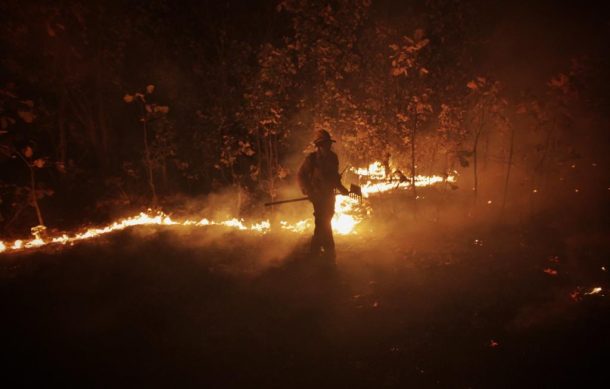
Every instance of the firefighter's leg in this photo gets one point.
(317, 239)
(328, 242)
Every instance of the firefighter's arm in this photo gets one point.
(342, 189)
(304, 176)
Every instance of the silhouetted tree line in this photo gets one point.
(109, 104)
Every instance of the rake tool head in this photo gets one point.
(355, 192)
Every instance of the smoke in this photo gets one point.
(264, 249)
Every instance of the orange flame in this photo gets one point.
(348, 214)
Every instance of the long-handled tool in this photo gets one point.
(355, 192)
(286, 201)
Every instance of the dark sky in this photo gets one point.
(529, 40)
(525, 41)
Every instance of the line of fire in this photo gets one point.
(304, 193)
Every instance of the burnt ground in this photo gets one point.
(458, 308)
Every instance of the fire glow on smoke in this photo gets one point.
(349, 212)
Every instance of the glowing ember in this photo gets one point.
(550, 271)
(593, 291)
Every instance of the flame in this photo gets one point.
(345, 220)
(596, 290)
(377, 181)
(150, 218)
(299, 226)
(349, 213)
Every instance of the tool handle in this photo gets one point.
(286, 201)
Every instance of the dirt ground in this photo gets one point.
(475, 307)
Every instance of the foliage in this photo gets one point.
(248, 83)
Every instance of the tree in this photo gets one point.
(485, 109)
(18, 141)
(267, 99)
(149, 113)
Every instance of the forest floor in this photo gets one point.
(423, 306)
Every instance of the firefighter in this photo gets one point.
(318, 178)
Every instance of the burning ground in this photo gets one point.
(449, 303)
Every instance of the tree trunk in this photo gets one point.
(103, 130)
(164, 177)
(485, 153)
(475, 187)
(413, 173)
(33, 189)
(259, 153)
(475, 156)
(545, 151)
(34, 197)
(413, 187)
(510, 163)
(149, 167)
(270, 175)
(101, 115)
(61, 125)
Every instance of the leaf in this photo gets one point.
(521, 109)
(128, 98)
(28, 152)
(402, 117)
(463, 161)
(26, 116)
(421, 44)
(162, 108)
(150, 89)
(560, 81)
(398, 71)
(282, 172)
(50, 31)
(253, 172)
(472, 85)
(60, 166)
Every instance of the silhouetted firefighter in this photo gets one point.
(318, 178)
